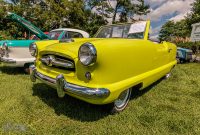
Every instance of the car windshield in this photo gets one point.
(55, 34)
(134, 31)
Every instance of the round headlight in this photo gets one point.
(87, 54)
(33, 49)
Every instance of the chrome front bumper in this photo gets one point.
(15, 62)
(62, 86)
(7, 60)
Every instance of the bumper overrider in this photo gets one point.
(62, 86)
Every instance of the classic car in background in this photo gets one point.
(183, 55)
(15, 53)
(104, 69)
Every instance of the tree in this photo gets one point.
(100, 7)
(82, 17)
(194, 15)
(181, 29)
(51, 14)
(40, 14)
(14, 1)
(128, 8)
(173, 30)
(166, 31)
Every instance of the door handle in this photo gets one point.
(169, 50)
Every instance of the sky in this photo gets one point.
(163, 11)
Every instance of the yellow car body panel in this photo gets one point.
(121, 63)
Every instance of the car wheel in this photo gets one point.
(181, 61)
(121, 103)
(168, 75)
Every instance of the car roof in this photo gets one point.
(85, 34)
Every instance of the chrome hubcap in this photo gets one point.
(168, 75)
(122, 99)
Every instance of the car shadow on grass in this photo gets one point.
(69, 106)
(74, 108)
(138, 93)
(12, 70)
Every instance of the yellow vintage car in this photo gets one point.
(104, 69)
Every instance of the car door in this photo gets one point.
(162, 51)
(161, 56)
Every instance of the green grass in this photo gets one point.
(168, 107)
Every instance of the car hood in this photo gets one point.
(66, 48)
(17, 43)
(71, 48)
(27, 25)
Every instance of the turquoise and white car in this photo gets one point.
(15, 53)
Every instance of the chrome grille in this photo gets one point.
(57, 61)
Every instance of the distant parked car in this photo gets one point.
(104, 69)
(15, 53)
(183, 55)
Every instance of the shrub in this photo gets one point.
(5, 35)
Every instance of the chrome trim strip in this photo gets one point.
(63, 86)
(7, 60)
(68, 64)
(50, 60)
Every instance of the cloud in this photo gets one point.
(161, 8)
(178, 17)
(112, 3)
(164, 10)
(156, 29)
(155, 3)
(169, 7)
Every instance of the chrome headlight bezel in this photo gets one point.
(87, 54)
(33, 49)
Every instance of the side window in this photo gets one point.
(126, 30)
(72, 34)
(104, 32)
(65, 35)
